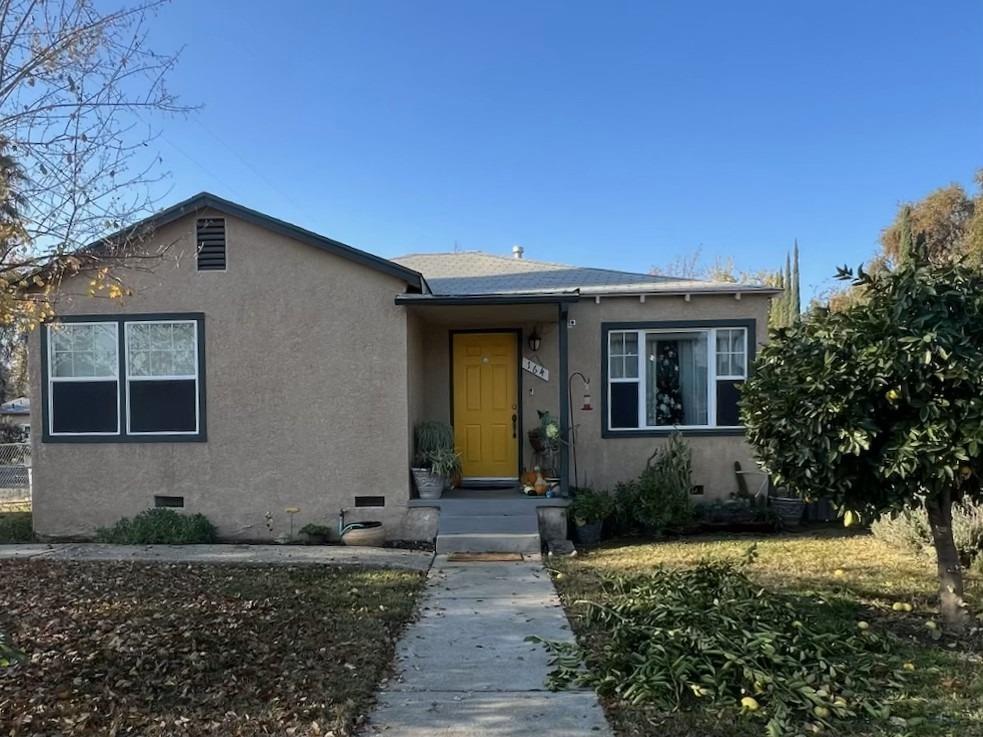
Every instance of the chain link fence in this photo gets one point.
(15, 475)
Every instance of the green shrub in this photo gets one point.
(16, 527)
(317, 533)
(663, 496)
(909, 530)
(709, 638)
(591, 506)
(660, 498)
(159, 526)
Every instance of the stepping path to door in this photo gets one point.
(464, 668)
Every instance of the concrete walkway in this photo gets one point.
(334, 555)
(464, 669)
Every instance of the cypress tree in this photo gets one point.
(906, 247)
(796, 303)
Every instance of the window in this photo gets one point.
(210, 235)
(83, 376)
(161, 377)
(682, 377)
(124, 378)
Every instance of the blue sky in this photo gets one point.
(608, 134)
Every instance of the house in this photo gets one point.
(16, 413)
(259, 367)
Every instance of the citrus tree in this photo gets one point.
(880, 405)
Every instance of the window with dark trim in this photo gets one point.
(132, 378)
(660, 378)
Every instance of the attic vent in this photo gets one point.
(211, 244)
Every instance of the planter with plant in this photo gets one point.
(788, 507)
(588, 510)
(436, 461)
(546, 440)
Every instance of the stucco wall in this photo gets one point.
(306, 387)
(602, 462)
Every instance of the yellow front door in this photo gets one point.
(486, 430)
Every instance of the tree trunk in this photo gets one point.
(953, 609)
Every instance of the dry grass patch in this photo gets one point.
(166, 649)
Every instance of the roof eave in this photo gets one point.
(433, 300)
(206, 200)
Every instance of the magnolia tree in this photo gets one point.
(880, 405)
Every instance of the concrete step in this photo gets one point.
(526, 524)
(491, 507)
(488, 542)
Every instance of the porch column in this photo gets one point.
(564, 402)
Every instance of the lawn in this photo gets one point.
(845, 574)
(164, 649)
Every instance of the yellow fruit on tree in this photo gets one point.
(750, 703)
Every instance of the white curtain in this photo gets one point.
(693, 378)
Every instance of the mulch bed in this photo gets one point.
(173, 649)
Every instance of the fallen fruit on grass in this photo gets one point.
(560, 576)
(901, 606)
(839, 573)
(821, 711)
(849, 519)
(909, 666)
(750, 703)
(863, 625)
(931, 625)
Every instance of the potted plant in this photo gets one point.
(436, 460)
(589, 509)
(546, 440)
(788, 506)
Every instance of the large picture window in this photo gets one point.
(124, 378)
(665, 378)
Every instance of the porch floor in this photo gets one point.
(510, 497)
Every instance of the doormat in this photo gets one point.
(484, 557)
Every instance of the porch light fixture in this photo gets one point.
(534, 341)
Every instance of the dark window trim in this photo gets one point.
(200, 437)
(606, 327)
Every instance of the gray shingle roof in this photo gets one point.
(474, 272)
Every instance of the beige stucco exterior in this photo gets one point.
(603, 462)
(306, 386)
(315, 378)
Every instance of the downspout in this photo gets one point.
(564, 403)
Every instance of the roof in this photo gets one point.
(208, 201)
(479, 273)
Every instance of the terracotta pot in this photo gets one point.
(372, 537)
